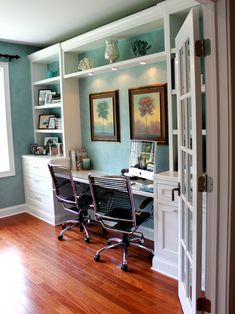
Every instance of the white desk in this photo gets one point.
(139, 186)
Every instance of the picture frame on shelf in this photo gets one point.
(49, 97)
(50, 140)
(33, 148)
(42, 96)
(148, 113)
(52, 123)
(104, 116)
(56, 149)
(43, 120)
(41, 150)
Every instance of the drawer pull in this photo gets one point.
(173, 192)
(35, 180)
(38, 198)
(35, 167)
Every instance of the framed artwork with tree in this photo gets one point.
(148, 113)
(104, 116)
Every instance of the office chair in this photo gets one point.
(73, 197)
(114, 208)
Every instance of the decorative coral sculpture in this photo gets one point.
(85, 64)
(140, 47)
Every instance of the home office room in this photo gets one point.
(109, 159)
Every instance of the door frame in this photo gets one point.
(219, 154)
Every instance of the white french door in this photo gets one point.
(190, 162)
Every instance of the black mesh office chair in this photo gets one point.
(73, 196)
(114, 208)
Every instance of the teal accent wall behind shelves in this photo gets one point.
(11, 188)
(113, 156)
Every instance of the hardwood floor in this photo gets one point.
(40, 274)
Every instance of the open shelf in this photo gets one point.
(148, 59)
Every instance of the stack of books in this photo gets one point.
(58, 123)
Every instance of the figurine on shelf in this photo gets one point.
(85, 64)
(140, 47)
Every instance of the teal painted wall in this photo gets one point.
(11, 188)
(113, 156)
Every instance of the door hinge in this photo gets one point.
(203, 47)
(204, 305)
(205, 183)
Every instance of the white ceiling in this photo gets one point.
(46, 22)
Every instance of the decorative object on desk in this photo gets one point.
(33, 148)
(49, 97)
(43, 120)
(51, 74)
(42, 96)
(85, 64)
(50, 140)
(86, 163)
(52, 123)
(104, 116)
(80, 155)
(111, 50)
(139, 47)
(148, 113)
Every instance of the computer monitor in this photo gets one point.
(142, 161)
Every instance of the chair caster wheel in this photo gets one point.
(97, 257)
(87, 240)
(60, 237)
(81, 228)
(109, 243)
(124, 267)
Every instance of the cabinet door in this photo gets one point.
(167, 231)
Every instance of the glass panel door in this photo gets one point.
(190, 162)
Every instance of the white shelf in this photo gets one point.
(48, 81)
(49, 131)
(49, 106)
(149, 59)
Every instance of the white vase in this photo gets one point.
(111, 50)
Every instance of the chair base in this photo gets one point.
(125, 242)
(74, 223)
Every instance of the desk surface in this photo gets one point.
(139, 187)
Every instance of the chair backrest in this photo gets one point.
(63, 184)
(113, 200)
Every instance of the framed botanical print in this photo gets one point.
(148, 113)
(104, 116)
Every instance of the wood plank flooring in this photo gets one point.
(39, 274)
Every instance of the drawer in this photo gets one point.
(37, 183)
(39, 198)
(37, 168)
(164, 194)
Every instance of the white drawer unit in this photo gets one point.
(166, 224)
(39, 196)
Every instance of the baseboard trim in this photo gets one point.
(14, 210)
(165, 267)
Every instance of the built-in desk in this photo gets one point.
(140, 187)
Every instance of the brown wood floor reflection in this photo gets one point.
(40, 274)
